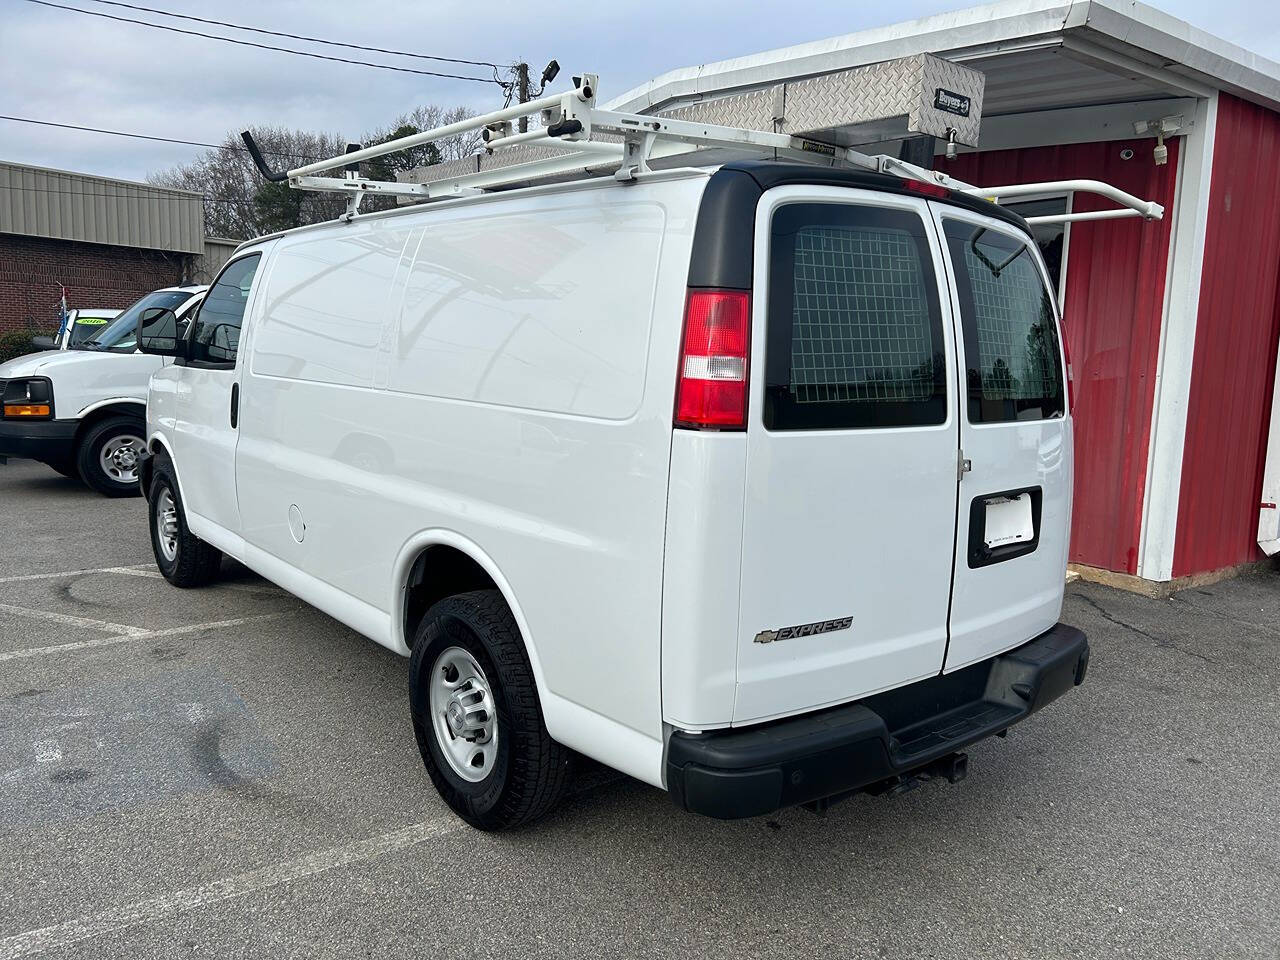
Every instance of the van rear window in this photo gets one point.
(1010, 332)
(854, 328)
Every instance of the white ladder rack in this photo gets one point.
(590, 140)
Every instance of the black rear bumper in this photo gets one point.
(756, 770)
(49, 441)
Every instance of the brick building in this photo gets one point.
(106, 241)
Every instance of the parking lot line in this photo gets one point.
(149, 572)
(67, 620)
(136, 633)
(139, 571)
(193, 898)
(75, 573)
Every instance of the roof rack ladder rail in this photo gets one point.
(648, 129)
(568, 163)
(540, 138)
(448, 130)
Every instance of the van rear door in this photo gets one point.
(1014, 516)
(852, 447)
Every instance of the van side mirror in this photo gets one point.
(159, 333)
(44, 343)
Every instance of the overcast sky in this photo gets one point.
(70, 68)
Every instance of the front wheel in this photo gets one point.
(107, 457)
(477, 717)
(183, 558)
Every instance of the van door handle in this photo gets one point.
(235, 404)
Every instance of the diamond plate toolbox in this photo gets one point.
(880, 101)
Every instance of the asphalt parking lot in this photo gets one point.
(230, 772)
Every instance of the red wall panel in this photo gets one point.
(1229, 406)
(1112, 310)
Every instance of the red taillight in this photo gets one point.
(1071, 380)
(711, 390)
(928, 189)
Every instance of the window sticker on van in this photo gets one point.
(1010, 332)
(854, 327)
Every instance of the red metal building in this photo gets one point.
(1173, 325)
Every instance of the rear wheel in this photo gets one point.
(477, 717)
(107, 457)
(183, 558)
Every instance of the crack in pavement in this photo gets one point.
(1158, 641)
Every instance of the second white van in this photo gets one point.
(81, 409)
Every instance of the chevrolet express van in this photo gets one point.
(751, 482)
(82, 410)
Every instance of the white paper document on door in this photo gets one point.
(1008, 520)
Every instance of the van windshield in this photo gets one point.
(121, 335)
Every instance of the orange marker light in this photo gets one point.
(26, 410)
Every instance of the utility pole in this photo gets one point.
(522, 91)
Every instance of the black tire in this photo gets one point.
(194, 563)
(531, 771)
(89, 455)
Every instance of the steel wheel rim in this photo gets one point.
(167, 525)
(463, 716)
(119, 458)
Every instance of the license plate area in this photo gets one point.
(1004, 525)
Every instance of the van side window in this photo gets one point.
(1010, 333)
(854, 326)
(216, 336)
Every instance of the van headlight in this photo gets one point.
(28, 398)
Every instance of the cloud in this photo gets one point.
(66, 67)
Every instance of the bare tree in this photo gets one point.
(430, 116)
(239, 204)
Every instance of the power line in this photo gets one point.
(266, 46)
(143, 136)
(296, 36)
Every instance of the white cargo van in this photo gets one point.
(752, 482)
(82, 409)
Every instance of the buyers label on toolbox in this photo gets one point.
(951, 102)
